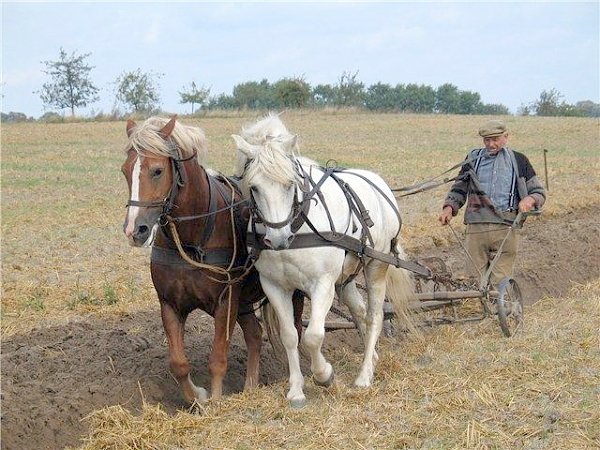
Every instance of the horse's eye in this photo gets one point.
(155, 173)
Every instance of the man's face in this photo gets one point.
(494, 144)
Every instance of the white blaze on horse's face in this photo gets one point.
(274, 202)
(133, 211)
(140, 222)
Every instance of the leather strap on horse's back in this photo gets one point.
(215, 257)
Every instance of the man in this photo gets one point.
(496, 183)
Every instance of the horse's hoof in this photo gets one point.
(298, 403)
(327, 383)
(362, 382)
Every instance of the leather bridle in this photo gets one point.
(299, 211)
(178, 180)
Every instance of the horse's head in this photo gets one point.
(270, 177)
(155, 171)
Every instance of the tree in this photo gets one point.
(222, 101)
(138, 90)
(447, 99)
(350, 91)
(381, 97)
(496, 109)
(70, 86)
(323, 95)
(292, 92)
(254, 95)
(588, 108)
(194, 95)
(468, 102)
(418, 98)
(548, 104)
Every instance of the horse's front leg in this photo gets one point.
(225, 319)
(375, 273)
(281, 301)
(321, 300)
(174, 325)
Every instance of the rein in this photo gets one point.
(430, 183)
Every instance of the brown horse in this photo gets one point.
(196, 224)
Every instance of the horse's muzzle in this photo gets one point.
(140, 234)
(279, 242)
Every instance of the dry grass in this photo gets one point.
(64, 255)
(63, 251)
(463, 388)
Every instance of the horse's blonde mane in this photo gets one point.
(266, 128)
(145, 139)
(274, 158)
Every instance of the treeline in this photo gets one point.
(349, 92)
(70, 86)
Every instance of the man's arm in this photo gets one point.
(536, 194)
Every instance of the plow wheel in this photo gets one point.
(510, 306)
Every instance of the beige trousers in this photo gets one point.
(483, 241)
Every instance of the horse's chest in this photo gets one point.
(299, 269)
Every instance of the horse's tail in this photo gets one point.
(400, 292)
(271, 323)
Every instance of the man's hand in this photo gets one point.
(527, 204)
(446, 215)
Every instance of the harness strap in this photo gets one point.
(358, 208)
(348, 243)
(316, 190)
(214, 256)
(387, 199)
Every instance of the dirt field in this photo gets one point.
(54, 376)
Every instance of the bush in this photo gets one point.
(13, 117)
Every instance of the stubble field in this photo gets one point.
(81, 329)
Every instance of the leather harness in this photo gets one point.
(362, 247)
(219, 256)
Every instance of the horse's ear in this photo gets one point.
(289, 143)
(130, 126)
(243, 146)
(166, 131)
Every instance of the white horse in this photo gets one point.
(274, 176)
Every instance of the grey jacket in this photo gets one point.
(480, 209)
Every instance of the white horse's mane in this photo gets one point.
(264, 129)
(275, 155)
(145, 139)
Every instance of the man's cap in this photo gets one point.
(492, 128)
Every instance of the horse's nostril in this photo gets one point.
(268, 242)
(143, 229)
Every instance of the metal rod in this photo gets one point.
(459, 240)
(546, 171)
(448, 295)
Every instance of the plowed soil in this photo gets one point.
(54, 376)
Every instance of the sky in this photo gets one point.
(508, 52)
